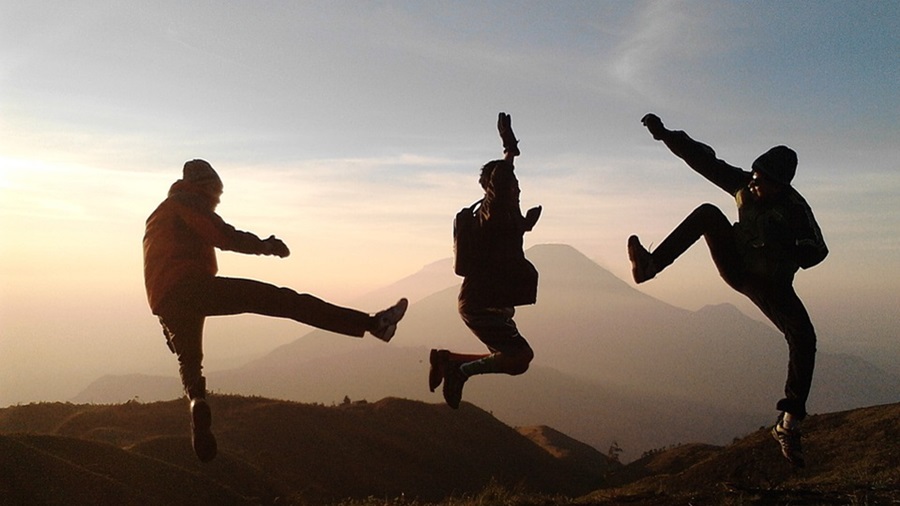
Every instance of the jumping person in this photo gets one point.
(499, 279)
(775, 235)
(183, 288)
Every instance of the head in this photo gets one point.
(499, 182)
(773, 171)
(201, 175)
(501, 189)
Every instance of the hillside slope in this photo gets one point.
(276, 449)
(853, 457)
(48, 470)
(276, 452)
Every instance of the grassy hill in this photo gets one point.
(853, 457)
(401, 452)
(277, 452)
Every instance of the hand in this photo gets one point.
(275, 246)
(654, 125)
(504, 126)
(532, 216)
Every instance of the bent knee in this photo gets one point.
(519, 362)
(708, 209)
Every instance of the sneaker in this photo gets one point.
(642, 267)
(202, 438)
(438, 360)
(386, 321)
(789, 439)
(454, 379)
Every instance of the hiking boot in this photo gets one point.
(386, 321)
(789, 439)
(202, 438)
(454, 379)
(642, 267)
(438, 360)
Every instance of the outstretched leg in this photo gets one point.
(705, 221)
(221, 296)
(185, 310)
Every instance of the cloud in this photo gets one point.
(662, 34)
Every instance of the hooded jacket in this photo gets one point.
(776, 237)
(501, 275)
(180, 240)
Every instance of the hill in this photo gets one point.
(49, 470)
(277, 450)
(405, 452)
(853, 457)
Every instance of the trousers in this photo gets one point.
(184, 311)
(776, 298)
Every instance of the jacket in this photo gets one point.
(775, 237)
(180, 240)
(501, 276)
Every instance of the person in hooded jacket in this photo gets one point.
(775, 235)
(500, 279)
(183, 288)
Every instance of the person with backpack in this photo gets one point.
(775, 235)
(180, 276)
(488, 240)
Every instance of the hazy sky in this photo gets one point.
(355, 130)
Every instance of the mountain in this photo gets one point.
(592, 325)
(612, 364)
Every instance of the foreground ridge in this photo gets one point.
(280, 452)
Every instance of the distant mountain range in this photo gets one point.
(612, 364)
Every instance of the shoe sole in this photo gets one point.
(634, 247)
(393, 316)
(453, 400)
(436, 372)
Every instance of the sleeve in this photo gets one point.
(702, 159)
(809, 244)
(216, 232)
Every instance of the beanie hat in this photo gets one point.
(201, 173)
(778, 163)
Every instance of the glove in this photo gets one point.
(504, 126)
(654, 125)
(275, 246)
(531, 217)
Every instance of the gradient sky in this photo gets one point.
(355, 130)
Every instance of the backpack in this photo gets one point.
(465, 239)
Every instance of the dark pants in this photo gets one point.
(776, 298)
(495, 328)
(186, 308)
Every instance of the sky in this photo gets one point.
(355, 130)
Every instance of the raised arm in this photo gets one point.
(511, 151)
(510, 143)
(698, 156)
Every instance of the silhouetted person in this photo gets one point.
(183, 289)
(500, 278)
(776, 234)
